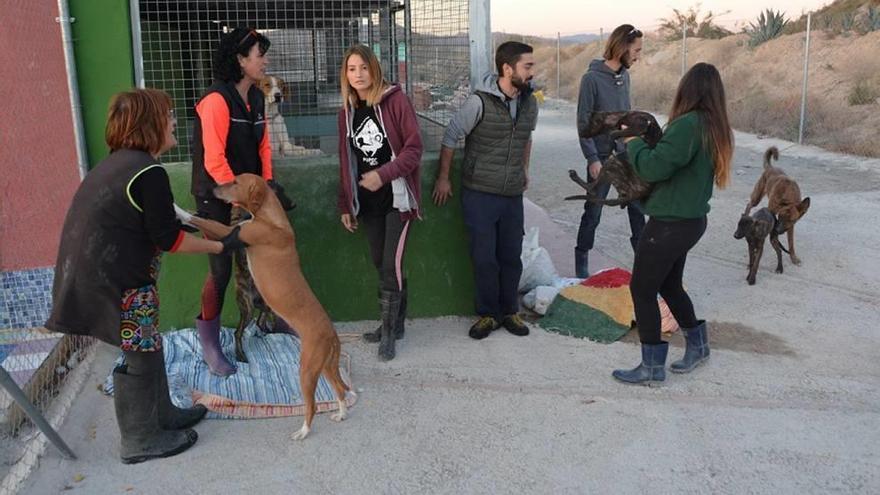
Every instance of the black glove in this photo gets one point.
(286, 202)
(232, 243)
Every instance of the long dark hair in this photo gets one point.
(702, 91)
(237, 42)
(619, 42)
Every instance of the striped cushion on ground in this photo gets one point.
(599, 308)
(266, 386)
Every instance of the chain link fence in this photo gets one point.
(820, 87)
(47, 368)
(423, 44)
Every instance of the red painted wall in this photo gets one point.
(38, 169)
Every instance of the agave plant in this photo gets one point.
(872, 19)
(847, 21)
(770, 24)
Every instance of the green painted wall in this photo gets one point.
(104, 63)
(335, 262)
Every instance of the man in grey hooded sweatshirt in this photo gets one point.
(496, 124)
(605, 88)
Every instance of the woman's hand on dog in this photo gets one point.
(628, 138)
(231, 242)
(349, 222)
(371, 181)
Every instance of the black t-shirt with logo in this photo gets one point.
(371, 149)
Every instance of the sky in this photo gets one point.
(547, 17)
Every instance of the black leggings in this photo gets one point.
(658, 269)
(221, 264)
(387, 238)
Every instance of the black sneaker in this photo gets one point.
(483, 327)
(515, 325)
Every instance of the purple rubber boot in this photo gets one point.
(209, 338)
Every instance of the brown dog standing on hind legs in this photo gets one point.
(251, 306)
(783, 199)
(274, 265)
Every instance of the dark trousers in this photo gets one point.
(221, 264)
(593, 214)
(387, 236)
(658, 269)
(495, 224)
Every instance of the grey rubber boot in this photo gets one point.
(390, 303)
(135, 398)
(171, 417)
(374, 336)
(652, 369)
(696, 351)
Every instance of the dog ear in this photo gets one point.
(256, 195)
(804, 206)
(285, 89)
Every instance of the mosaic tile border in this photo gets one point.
(25, 297)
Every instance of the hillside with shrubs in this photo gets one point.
(762, 67)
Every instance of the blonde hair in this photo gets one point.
(349, 95)
(137, 120)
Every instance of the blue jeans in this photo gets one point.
(496, 227)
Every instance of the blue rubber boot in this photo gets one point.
(652, 369)
(697, 350)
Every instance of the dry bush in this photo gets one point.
(763, 85)
(654, 90)
(863, 93)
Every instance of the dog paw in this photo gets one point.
(301, 434)
(338, 416)
(751, 281)
(796, 260)
(779, 269)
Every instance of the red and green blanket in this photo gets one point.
(599, 308)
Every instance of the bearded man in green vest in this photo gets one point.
(496, 124)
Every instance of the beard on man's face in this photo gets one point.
(520, 83)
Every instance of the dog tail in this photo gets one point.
(772, 152)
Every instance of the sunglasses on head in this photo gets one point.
(635, 33)
(248, 35)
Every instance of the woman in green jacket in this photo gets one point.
(695, 152)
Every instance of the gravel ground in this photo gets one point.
(789, 402)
